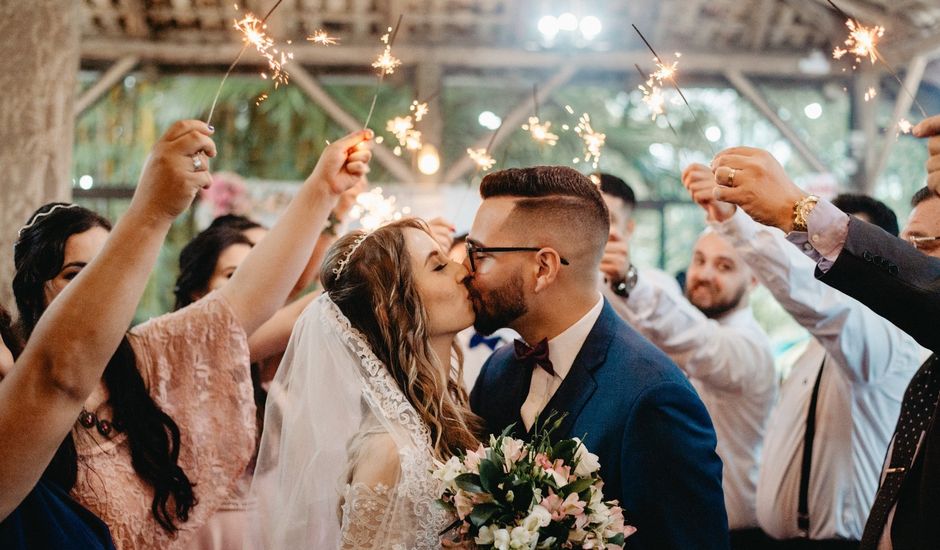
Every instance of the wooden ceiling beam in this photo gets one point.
(220, 55)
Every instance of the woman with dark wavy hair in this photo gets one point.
(171, 426)
(367, 398)
(42, 392)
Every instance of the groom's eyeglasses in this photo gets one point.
(473, 250)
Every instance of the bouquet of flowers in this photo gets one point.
(537, 495)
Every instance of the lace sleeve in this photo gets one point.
(369, 509)
(362, 511)
(195, 364)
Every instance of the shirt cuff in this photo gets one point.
(827, 228)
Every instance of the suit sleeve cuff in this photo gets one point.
(827, 229)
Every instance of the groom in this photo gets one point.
(535, 249)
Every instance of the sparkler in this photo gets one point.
(904, 126)
(373, 209)
(654, 98)
(668, 72)
(419, 109)
(862, 42)
(321, 37)
(403, 129)
(540, 131)
(253, 30)
(593, 140)
(386, 64)
(482, 158)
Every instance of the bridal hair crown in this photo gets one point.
(39, 217)
(341, 265)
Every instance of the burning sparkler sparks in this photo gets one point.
(541, 131)
(386, 64)
(253, 34)
(871, 93)
(321, 37)
(419, 109)
(654, 98)
(664, 72)
(593, 140)
(403, 130)
(482, 158)
(373, 209)
(904, 126)
(862, 42)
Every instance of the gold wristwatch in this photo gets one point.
(801, 210)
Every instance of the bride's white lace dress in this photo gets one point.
(345, 460)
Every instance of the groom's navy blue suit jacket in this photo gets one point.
(636, 411)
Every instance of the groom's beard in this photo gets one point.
(499, 307)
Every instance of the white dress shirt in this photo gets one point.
(562, 350)
(869, 363)
(730, 364)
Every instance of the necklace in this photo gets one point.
(89, 419)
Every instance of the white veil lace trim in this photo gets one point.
(330, 390)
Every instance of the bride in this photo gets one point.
(367, 397)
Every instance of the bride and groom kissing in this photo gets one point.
(369, 395)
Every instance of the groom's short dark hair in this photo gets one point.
(554, 197)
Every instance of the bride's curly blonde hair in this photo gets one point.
(375, 289)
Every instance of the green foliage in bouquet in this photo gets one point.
(536, 495)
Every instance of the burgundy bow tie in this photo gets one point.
(535, 357)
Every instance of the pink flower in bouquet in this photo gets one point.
(558, 470)
(464, 504)
(513, 449)
(473, 458)
(618, 524)
(559, 508)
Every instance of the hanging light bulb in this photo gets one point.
(429, 161)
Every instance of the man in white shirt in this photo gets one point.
(828, 435)
(619, 273)
(713, 337)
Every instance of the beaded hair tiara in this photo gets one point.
(341, 265)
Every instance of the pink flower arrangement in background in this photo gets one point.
(228, 194)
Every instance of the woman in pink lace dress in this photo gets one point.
(170, 428)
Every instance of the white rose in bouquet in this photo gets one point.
(588, 462)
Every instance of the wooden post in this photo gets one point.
(40, 41)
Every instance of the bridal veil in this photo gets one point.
(345, 460)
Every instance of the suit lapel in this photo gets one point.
(511, 394)
(579, 385)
